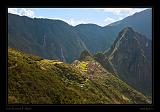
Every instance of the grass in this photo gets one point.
(33, 80)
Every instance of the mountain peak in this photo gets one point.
(128, 29)
(130, 57)
(85, 55)
(128, 37)
(124, 34)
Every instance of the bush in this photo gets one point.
(12, 100)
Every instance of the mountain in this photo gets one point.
(55, 39)
(34, 80)
(85, 55)
(95, 37)
(104, 68)
(51, 39)
(103, 60)
(130, 57)
(140, 21)
(98, 39)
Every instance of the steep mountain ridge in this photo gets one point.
(131, 58)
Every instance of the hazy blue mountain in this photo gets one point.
(52, 39)
(95, 37)
(99, 38)
(55, 39)
(141, 22)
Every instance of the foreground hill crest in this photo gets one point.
(39, 81)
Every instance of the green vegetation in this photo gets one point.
(84, 55)
(83, 66)
(32, 80)
(100, 57)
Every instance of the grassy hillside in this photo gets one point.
(33, 80)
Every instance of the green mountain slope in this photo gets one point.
(33, 80)
(44, 37)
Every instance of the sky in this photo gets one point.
(75, 16)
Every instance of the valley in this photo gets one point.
(52, 62)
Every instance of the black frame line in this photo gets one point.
(68, 105)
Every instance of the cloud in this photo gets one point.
(22, 12)
(121, 11)
(75, 22)
(13, 10)
(120, 18)
(70, 21)
(27, 12)
(109, 20)
(116, 14)
(30, 13)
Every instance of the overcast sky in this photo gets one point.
(75, 16)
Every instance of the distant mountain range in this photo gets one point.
(141, 22)
(55, 39)
(102, 37)
(51, 39)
